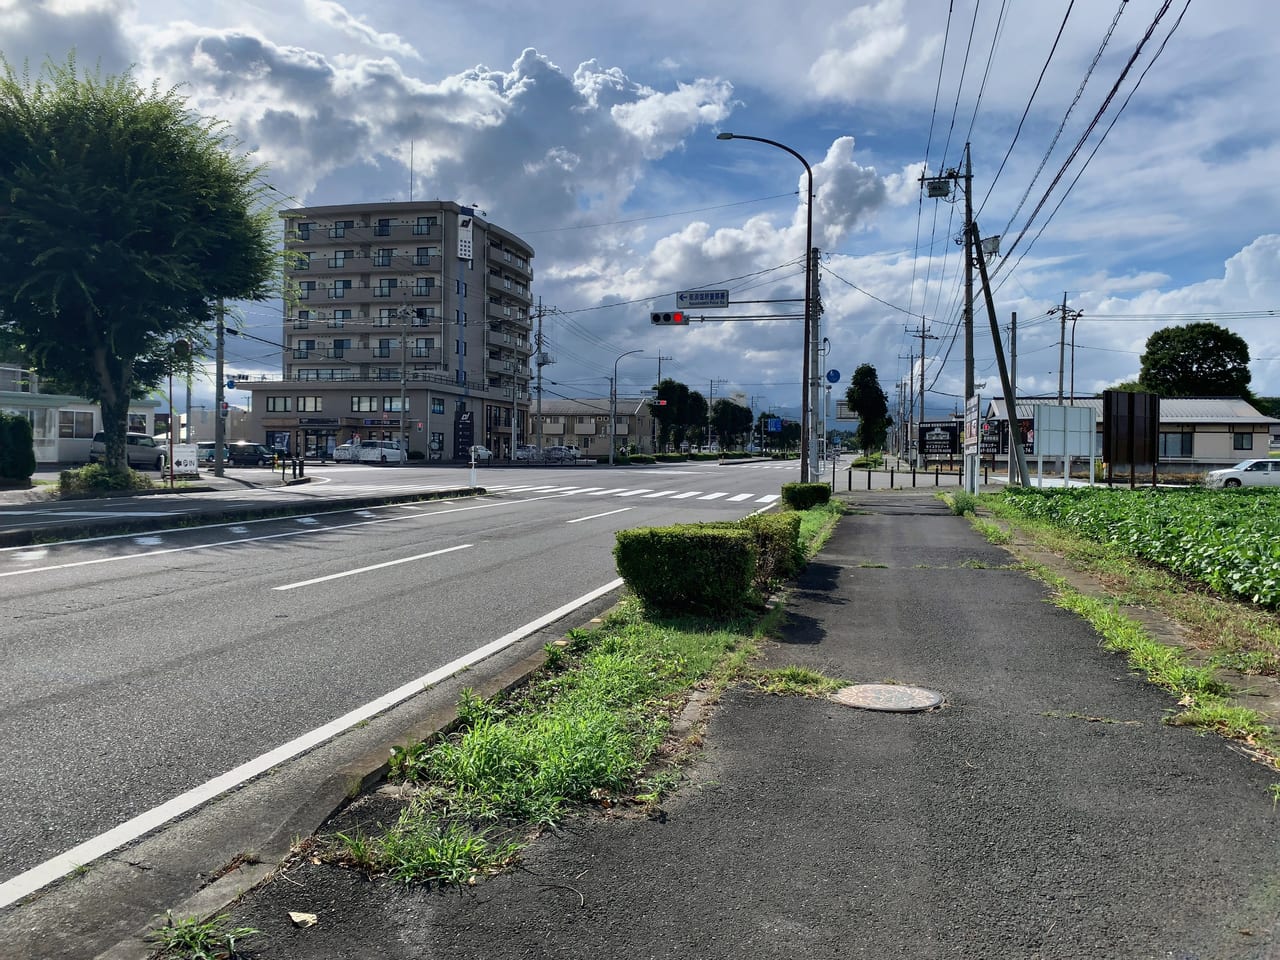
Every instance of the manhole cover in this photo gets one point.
(888, 696)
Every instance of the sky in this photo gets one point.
(1123, 151)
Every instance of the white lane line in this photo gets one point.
(636, 492)
(376, 566)
(686, 496)
(605, 493)
(768, 498)
(270, 536)
(660, 493)
(597, 516)
(28, 882)
(713, 496)
(739, 497)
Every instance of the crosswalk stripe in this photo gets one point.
(660, 493)
(605, 493)
(739, 497)
(713, 496)
(686, 496)
(636, 492)
(768, 498)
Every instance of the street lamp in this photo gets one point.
(613, 405)
(806, 414)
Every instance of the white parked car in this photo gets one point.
(527, 451)
(1246, 473)
(381, 451)
(481, 454)
(345, 452)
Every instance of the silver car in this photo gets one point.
(141, 450)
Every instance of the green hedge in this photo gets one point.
(17, 449)
(804, 496)
(689, 568)
(643, 458)
(671, 458)
(96, 478)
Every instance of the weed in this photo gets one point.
(653, 788)
(973, 563)
(873, 566)
(359, 849)
(961, 502)
(196, 939)
(426, 850)
(407, 763)
(992, 532)
(796, 681)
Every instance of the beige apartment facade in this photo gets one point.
(402, 320)
(585, 424)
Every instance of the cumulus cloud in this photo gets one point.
(337, 16)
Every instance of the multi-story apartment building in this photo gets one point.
(409, 319)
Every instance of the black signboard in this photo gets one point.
(463, 434)
(940, 438)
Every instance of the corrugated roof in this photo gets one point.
(1172, 409)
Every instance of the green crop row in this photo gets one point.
(1229, 540)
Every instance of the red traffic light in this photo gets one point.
(675, 317)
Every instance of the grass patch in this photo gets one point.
(796, 682)
(593, 727)
(991, 532)
(961, 502)
(196, 939)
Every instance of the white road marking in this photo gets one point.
(686, 496)
(739, 497)
(597, 516)
(376, 566)
(660, 493)
(713, 496)
(768, 498)
(636, 492)
(605, 493)
(28, 882)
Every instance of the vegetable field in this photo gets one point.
(1227, 540)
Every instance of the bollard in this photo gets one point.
(891, 478)
(937, 476)
(851, 479)
(282, 467)
(984, 474)
(293, 468)
(302, 467)
(868, 478)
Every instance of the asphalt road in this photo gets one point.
(139, 667)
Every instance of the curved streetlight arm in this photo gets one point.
(613, 404)
(808, 384)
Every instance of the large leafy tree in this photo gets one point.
(866, 398)
(123, 217)
(731, 421)
(1196, 360)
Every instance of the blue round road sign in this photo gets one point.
(833, 376)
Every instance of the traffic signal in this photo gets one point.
(659, 403)
(668, 318)
(223, 408)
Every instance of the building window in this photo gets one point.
(462, 288)
(340, 257)
(279, 404)
(423, 257)
(424, 226)
(387, 373)
(423, 346)
(383, 228)
(385, 316)
(383, 349)
(1175, 445)
(437, 406)
(340, 288)
(340, 228)
(1242, 441)
(310, 404)
(303, 260)
(305, 289)
(392, 405)
(340, 317)
(364, 404)
(385, 286)
(75, 425)
(423, 315)
(382, 258)
(303, 231)
(424, 286)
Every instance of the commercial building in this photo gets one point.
(402, 321)
(585, 423)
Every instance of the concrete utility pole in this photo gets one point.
(971, 460)
(1010, 402)
(542, 360)
(1062, 344)
(710, 399)
(219, 368)
(1013, 376)
(919, 459)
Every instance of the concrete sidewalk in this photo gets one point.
(1044, 811)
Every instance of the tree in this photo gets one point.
(731, 422)
(1196, 360)
(123, 217)
(868, 401)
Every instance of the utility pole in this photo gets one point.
(814, 388)
(1064, 314)
(653, 421)
(404, 372)
(710, 396)
(542, 360)
(219, 367)
(919, 460)
(971, 464)
(1013, 376)
(1010, 403)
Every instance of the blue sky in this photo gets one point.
(591, 132)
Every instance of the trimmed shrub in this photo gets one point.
(96, 478)
(689, 568)
(671, 458)
(17, 449)
(778, 545)
(642, 458)
(804, 496)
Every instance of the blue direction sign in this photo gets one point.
(701, 299)
(833, 376)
